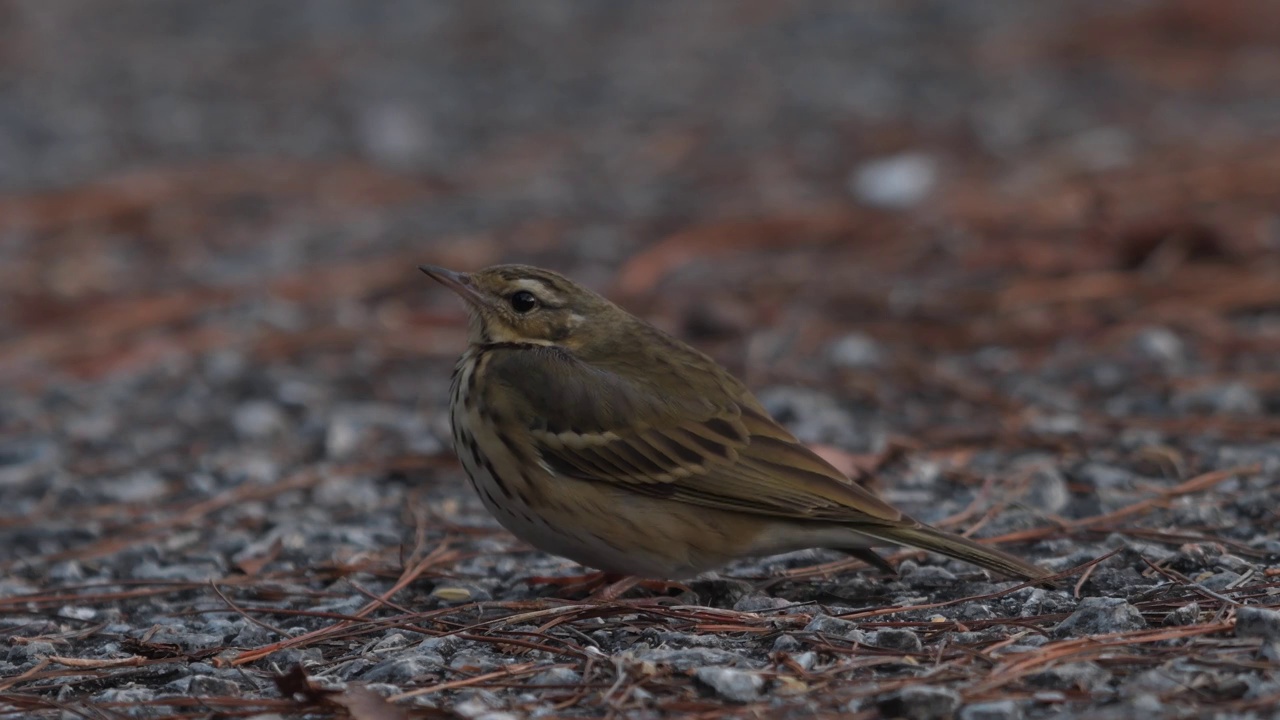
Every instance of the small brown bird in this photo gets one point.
(593, 435)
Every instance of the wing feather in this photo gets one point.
(722, 451)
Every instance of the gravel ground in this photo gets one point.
(1014, 264)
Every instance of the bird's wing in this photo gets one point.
(713, 449)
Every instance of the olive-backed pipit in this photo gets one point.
(593, 435)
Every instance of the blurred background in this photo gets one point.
(1013, 255)
(953, 218)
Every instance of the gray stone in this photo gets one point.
(731, 683)
(474, 708)
(855, 351)
(129, 695)
(814, 417)
(1158, 681)
(556, 676)
(1087, 676)
(258, 419)
(30, 652)
(474, 661)
(1258, 622)
(721, 592)
(440, 645)
(759, 603)
(351, 669)
(686, 659)
(136, 487)
(350, 425)
(204, 686)
(895, 182)
(1233, 398)
(1220, 581)
(1234, 563)
(1106, 477)
(835, 627)
(151, 570)
(392, 641)
(395, 133)
(402, 670)
(65, 572)
(787, 643)
(1148, 705)
(189, 641)
(251, 635)
(929, 576)
(25, 459)
(805, 660)
(993, 710)
(1161, 345)
(306, 657)
(1099, 616)
(922, 702)
(1271, 651)
(1048, 492)
(1185, 615)
(896, 639)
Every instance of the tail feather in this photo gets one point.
(962, 548)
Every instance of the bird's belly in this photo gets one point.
(593, 524)
(557, 533)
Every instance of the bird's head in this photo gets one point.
(523, 304)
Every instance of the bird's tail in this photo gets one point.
(962, 548)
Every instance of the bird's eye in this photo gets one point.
(523, 301)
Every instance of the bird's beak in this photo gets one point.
(458, 282)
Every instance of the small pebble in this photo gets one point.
(556, 676)
(1158, 681)
(401, 670)
(815, 417)
(1161, 345)
(1099, 616)
(896, 639)
(1220, 581)
(835, 627)
(922, 702)
(786, 643)
(994, 710)
(207, 686)
(686, 659)
(1087, 676)
(1186, 615)
(855, 351)
(759, 603)
(258, 419)
(1048, 492)
(731, 683)
(1233, 398)
(896, 182)
(1258, 622)
(806, 660)
(929, 576)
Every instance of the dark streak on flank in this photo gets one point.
(497, 479)
(484, 490)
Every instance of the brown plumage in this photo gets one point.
(593, 435)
